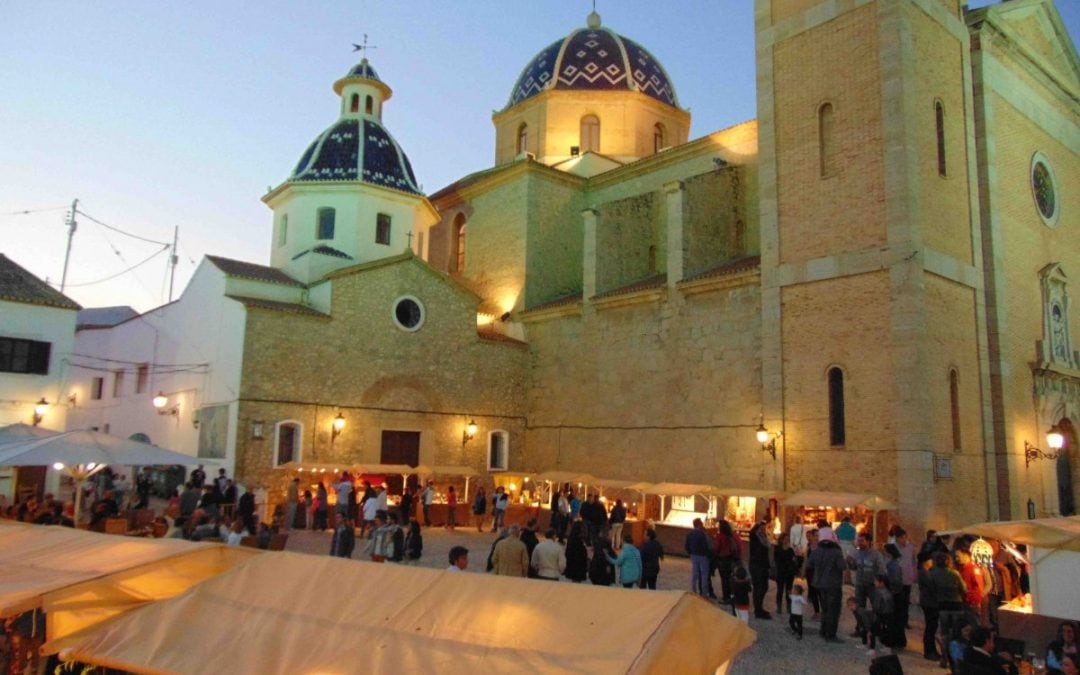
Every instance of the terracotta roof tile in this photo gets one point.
(19, 285)
(727, 267)
(557, 302)
(246, 270)
(278, 306)
(639, 285)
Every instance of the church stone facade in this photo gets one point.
(877, 269)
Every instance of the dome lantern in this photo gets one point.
(362, 92)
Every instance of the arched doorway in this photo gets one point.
(1066, 487)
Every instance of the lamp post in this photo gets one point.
(469, 433)
(1054, 439)
(767, 438)
(40, 408)
(336, 428)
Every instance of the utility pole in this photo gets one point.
(72, 225)
(173, 260)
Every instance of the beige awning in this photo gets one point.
(399, 469)
(396, 618)
(38, 560)
(446, 470)
(620, 484)
(744, 492)
(567, 477)
(1049, 533)
(848, 500)
(677, 489)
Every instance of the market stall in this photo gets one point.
(742, 507)
(444, 475)
(635, 523)
(680, 504)
(420, 625)
(834, 506)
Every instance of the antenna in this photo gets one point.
(72, 226)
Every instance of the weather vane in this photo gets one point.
(365, 47)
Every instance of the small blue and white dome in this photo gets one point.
(594, 58)
(358, 147)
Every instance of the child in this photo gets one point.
(740, 591)
(864, 622)
(797, 603)
(882, 602)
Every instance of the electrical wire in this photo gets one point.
(29, 211)
(117, 229)
(164, 248)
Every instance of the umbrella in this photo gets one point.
(23, 432)
(1050, 533)
(81, 454)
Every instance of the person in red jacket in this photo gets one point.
(972, 577)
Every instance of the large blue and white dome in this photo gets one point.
(357, 149)
(595, 58)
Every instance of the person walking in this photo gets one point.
(651, 555)
(628, 562)
(697, 547)
(499, 503)
(759, 567)
(826, 567)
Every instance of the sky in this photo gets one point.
(159, 116)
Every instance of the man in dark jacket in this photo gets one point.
(529, 538)
(246, 510)
(651, 555)
(344, 539)
(759, 567)
(697, 547)
(825, 570)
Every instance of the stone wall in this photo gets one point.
(630, 241)
(379, 377)
(714, 218)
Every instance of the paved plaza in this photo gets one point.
(776, 650)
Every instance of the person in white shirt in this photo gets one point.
(549, 558)
(371, 508)
(380, 498)
(343, 490)
(459, 559)
(428, 497)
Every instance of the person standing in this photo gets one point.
(928, 603)
(797, 605)
(371, 511)
(651, 555)
(759, 567)
(344, 490)
(414, 543)
(292, 498)
(499, 503)
(868, 563)
(451, 508)
(479, 508)
(144, 484)
(629, 563)
(728, 550)
(973, 582)
(909, 573)
(405, 508)
(786, 568)
(198, 478)
(617, 518)
(577, 556)
(555, 523)
(510, 557)
(344, 539)
(846, 534)
(427, 497)
(245, 510)
(548, 558)
(531, 541)
(564, 515)
(825, 567)
(601, 572)
(697, 547)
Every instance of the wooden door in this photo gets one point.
(400, 447)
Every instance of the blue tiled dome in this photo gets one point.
(357, 149)
(363, 69)
(594, 58)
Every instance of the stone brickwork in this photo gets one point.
(629, 241)
(714, 227)
(379, 377)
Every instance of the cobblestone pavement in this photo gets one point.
(776, 650)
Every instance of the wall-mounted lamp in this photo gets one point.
(40, 408)
(160, 401)
(1054, 438)
(1031, 509)
(337, 426)
(469, 433)
(767, 438)
(72, 399)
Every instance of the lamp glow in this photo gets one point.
(41, 407)
(339, 422)
(762, 435)
(160, 400)
(1054, 438)
(59, 466)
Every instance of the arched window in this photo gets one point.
(939, 122)
(498, 451)
(369, 105)
(826, 140)
(658, 140)
(326, 218)
(837, 432)
(354, 104)
(459, 243)
(287, 442)
(954, 407)
(523, 138)
(590, 133)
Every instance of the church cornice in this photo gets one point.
(484, 181)
(637, 98)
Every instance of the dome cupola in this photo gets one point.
(593, 91)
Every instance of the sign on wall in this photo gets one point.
(213, 431)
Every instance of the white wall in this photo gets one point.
(202, 334)
(1054, 591)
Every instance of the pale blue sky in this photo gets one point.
(157, 114)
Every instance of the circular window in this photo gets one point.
(1044, 189)
(408, 313)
